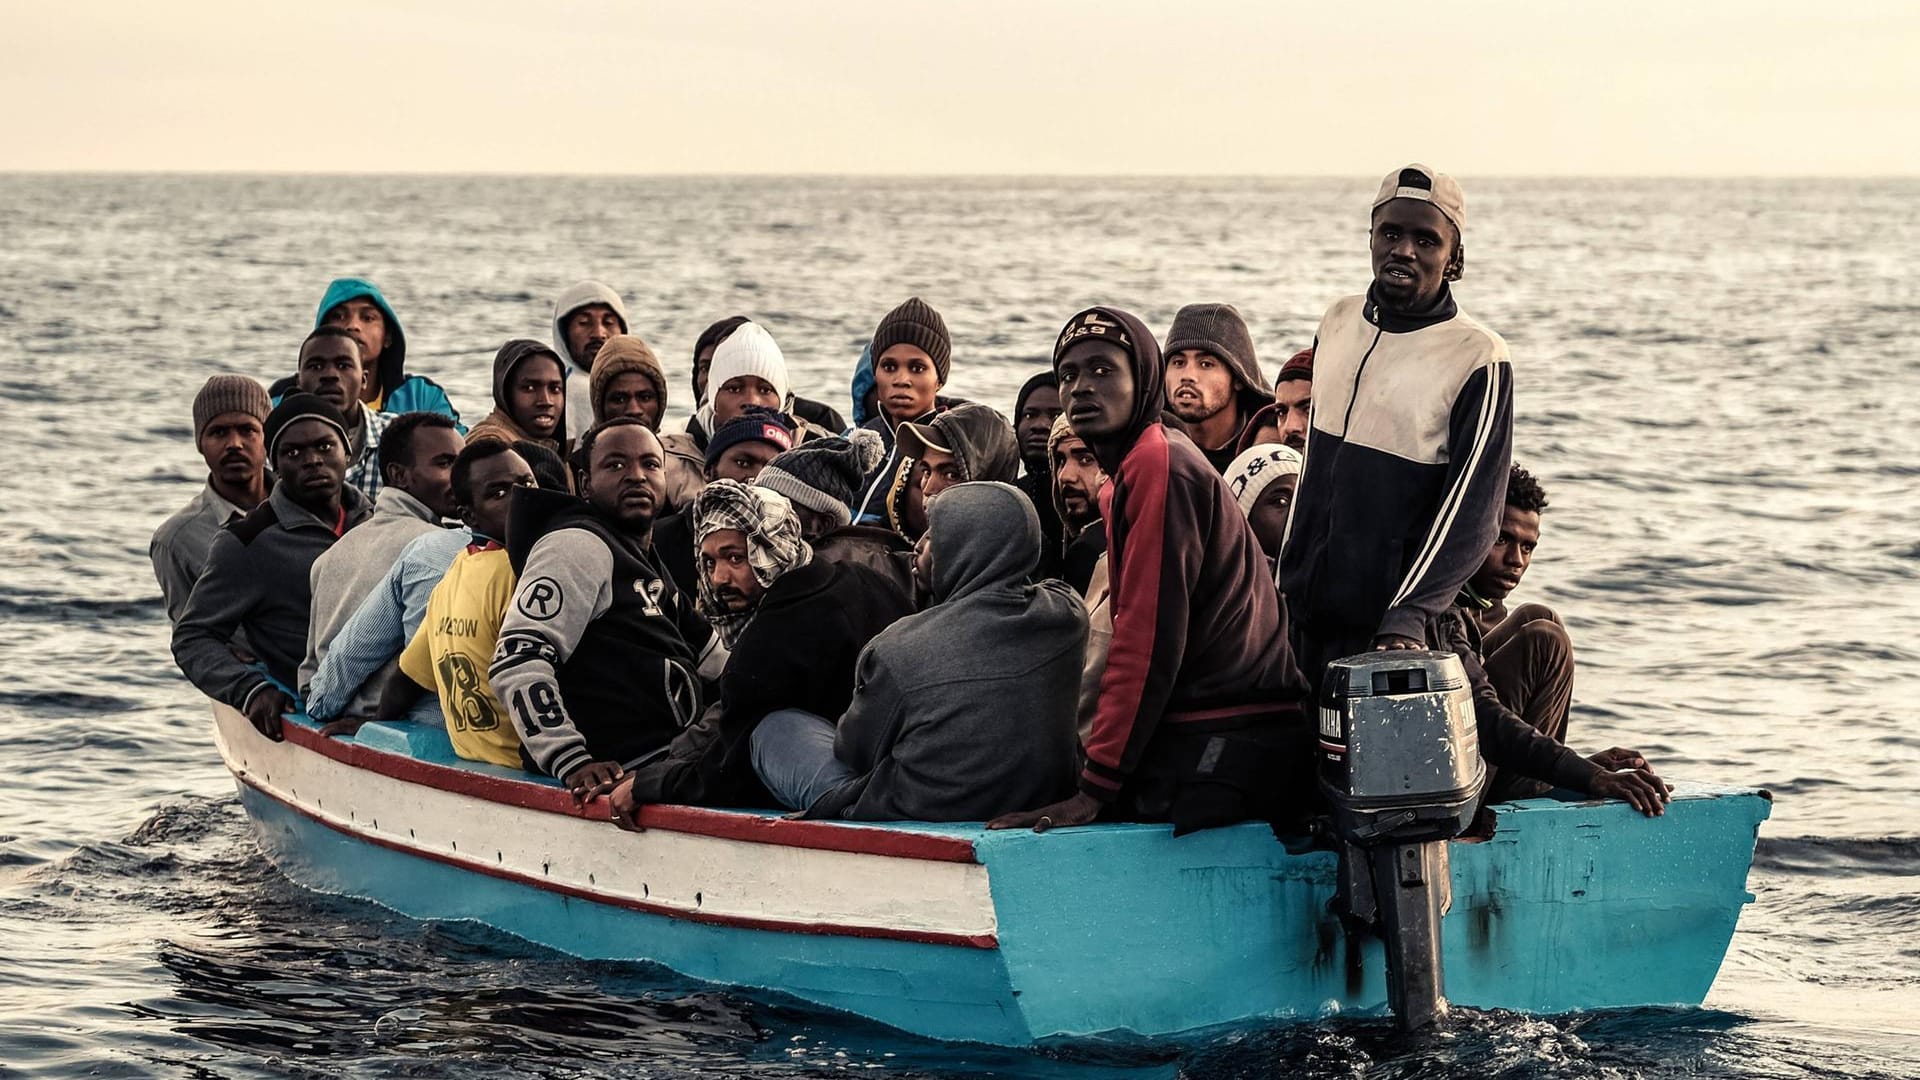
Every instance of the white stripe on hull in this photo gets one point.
(708, 878)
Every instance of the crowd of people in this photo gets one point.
(1112, 602)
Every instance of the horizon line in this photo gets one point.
(822, 175)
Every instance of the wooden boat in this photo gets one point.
(1009, 938)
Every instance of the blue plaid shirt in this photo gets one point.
(363, 472)
(384, 624)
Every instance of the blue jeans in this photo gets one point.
(792, 754)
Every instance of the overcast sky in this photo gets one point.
(1660, 87)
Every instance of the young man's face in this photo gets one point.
(428, 474)
(368, 324)
(905, 381)
(535, 393)
(1097, 386)
(234, 446)
(588, 328)
(1269, 514)
(1512, 552)
(1199, 385)
(1295, 399)
(1412, 242)
(311, 459)
(743, 461)
(723, 559)
(330, 368)
(633, 394)
(737, 393)
(490, 485)
(938, 471)
(624, 476)
(1035, 423)
(1077, 477)
(702, 363)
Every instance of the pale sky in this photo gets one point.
(1482, 87)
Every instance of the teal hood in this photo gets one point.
(393, 357)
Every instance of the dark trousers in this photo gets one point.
(1529, 660)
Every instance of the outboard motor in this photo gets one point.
(1400, 765)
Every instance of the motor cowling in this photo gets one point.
(1399, 750)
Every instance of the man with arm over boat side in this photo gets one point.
(258, 574)
(1405, 472)
(601, 659)
(1199, 720)
(794, 624)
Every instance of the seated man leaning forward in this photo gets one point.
(1200, 719)
(601, 658)
(258, 572)
(961, 711)
(793, 625)
(1529, 657)
(453, 648)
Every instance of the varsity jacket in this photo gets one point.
(600, 657)
(1405, 472)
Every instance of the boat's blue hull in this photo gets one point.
(1113, 928)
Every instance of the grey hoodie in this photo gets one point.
(579, 396)
(966, 710)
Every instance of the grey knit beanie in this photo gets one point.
(824, 475)
(1217, 329)
(229, 394)
(916, 323)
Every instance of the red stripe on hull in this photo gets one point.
(722, 824)
(925, 937)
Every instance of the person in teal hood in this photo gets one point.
(357, 305)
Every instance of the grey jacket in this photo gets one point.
(343, 576)
(256, 580)
(966, 710)
(181, 543)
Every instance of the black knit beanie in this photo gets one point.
(916, 323)
(296, 407)
(824, 475)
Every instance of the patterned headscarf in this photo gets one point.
(774, 546)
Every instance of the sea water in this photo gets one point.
(1716, 382)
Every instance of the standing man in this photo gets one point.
(1406, 462)
(257, 576)
(584, 317)
(1200, 719)
(601, 658)
(330, 368)
(227, 416)
(416, 459)
(1214, 384)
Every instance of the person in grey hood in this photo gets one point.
(585, 315)
(966, 443)
(930, 734)
(530, 397)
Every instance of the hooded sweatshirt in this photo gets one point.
(1405, 473)
(579, 400)
(399, 391)
(500, 423)
(1218, 329)
(983, 445)
(966, 710)
(1038, 483)
(1200, 698)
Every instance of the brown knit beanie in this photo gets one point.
(229, 394)
(621, 355)
(916, 323)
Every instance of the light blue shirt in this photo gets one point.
(384, 623)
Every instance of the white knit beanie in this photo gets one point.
(1256, 467)
(749, 350)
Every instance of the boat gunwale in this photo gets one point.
(697, 821)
